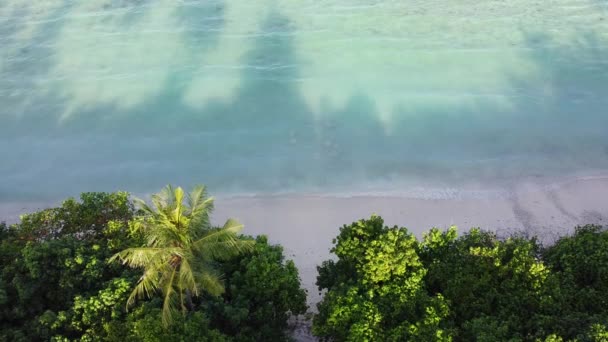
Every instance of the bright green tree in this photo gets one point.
(181, 249)
(56, 282)
(376, 290)
(387, 286)
(56, 255)
(497, 289)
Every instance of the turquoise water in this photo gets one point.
(273, 96)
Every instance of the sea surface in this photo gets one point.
(299, 96)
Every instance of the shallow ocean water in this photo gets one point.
(267, 96)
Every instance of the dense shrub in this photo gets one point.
(580, 264)
(56, 282)
(387, 286)
(376, 288)
(57, 255)
(262, 290)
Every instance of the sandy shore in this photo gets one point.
(306, 225)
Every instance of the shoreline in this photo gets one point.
(305, 224)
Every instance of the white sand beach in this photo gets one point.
(306, 225)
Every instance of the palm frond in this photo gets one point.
(164, 235)
(211, 281)
(199, 212)
(215, 236)
(198, 201)
(233, 226)
(181, 248)
(186, 277)
(144, 256)
(222, 243)
(170, 301)
(135, 257)
(225, 250)
(167, 196)
(195, 197)
(176, 213)
(146, 287)
(143, 206)
(164, 217)
(164, 201)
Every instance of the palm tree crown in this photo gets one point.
(181, 247)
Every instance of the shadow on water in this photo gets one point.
(268, 127)
(265, 130)
(267, 138)
(564, 120)
(351, 142)
(10, 26)
(25, 61)
(131, 11)
(202, 21)
(555, 126)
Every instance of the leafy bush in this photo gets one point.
(387, 286)
(580, 264)
(56, 255)
(143, 324)
(496, 289)
(262, 291)
(376, 288)
(56, 282)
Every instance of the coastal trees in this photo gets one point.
(580, 265)
(375, 290)
(386, 285)
(181, 248)
(55, 255)
(56, 281)
(262, 291)
(497, 289)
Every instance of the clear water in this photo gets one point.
(271, 96)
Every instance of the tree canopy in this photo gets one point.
(180, 249)
(387, 286)
(57, 281)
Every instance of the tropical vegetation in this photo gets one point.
(180, 250)
(109, 267)
(385, 285)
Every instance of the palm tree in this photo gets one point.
(181, 248)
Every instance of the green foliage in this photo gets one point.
(181, 250)
(385, 285)
(48, 260)
(496, 288)
(580, 263)
(262, 290)
(142, 324)
(379, 292)
(56, 281)
(87, 218)
(88, 316)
